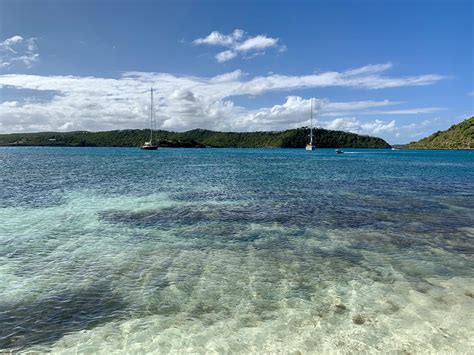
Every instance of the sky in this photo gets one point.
(399, 70)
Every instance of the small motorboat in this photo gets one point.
(338, 151)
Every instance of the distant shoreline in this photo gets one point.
(166, 147)
(210, 147)
(436, 148)
(198, 138)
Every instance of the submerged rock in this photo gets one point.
(358, 319)
(340, 308)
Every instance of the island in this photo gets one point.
(458, 136)
(197, 138)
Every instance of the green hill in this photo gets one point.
(459, 136)
(294, 138)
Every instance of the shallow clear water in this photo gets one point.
(236, 250)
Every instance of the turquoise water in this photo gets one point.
(236, 250)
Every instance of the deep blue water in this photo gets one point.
(119, 249)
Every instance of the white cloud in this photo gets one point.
(11, 41)
(342, 108)
(256, 43)
(9, 104)
(216, 38)
(239, 42)
(295, 112)
(471, 93)
(369, 69)
(17, 50)
(357, 105)
(327, 79)
(225, 56)
(352, 124)
(411, 111)
(232, 76)
(187, 102)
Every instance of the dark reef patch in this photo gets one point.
(51, 316)
(402, 217)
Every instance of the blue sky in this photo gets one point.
(395, 69)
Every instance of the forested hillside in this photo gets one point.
(294, 138)
(459, 136)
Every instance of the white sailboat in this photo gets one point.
(149, 145)
(310, 145)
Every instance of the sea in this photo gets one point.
(119, 250)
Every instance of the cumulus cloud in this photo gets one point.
(293, 113)
(216, 38)
(296, 112)
(352, 124)
(225, 56)
(239, 42)
(18, 50)
(9, 104)
(187, 102)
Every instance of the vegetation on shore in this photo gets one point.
(458, 136)
(294, 138)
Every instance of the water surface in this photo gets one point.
(236, 250)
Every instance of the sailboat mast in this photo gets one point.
(151, 117)
(311, 127)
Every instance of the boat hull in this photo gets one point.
(310, 147)
(149, 147)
